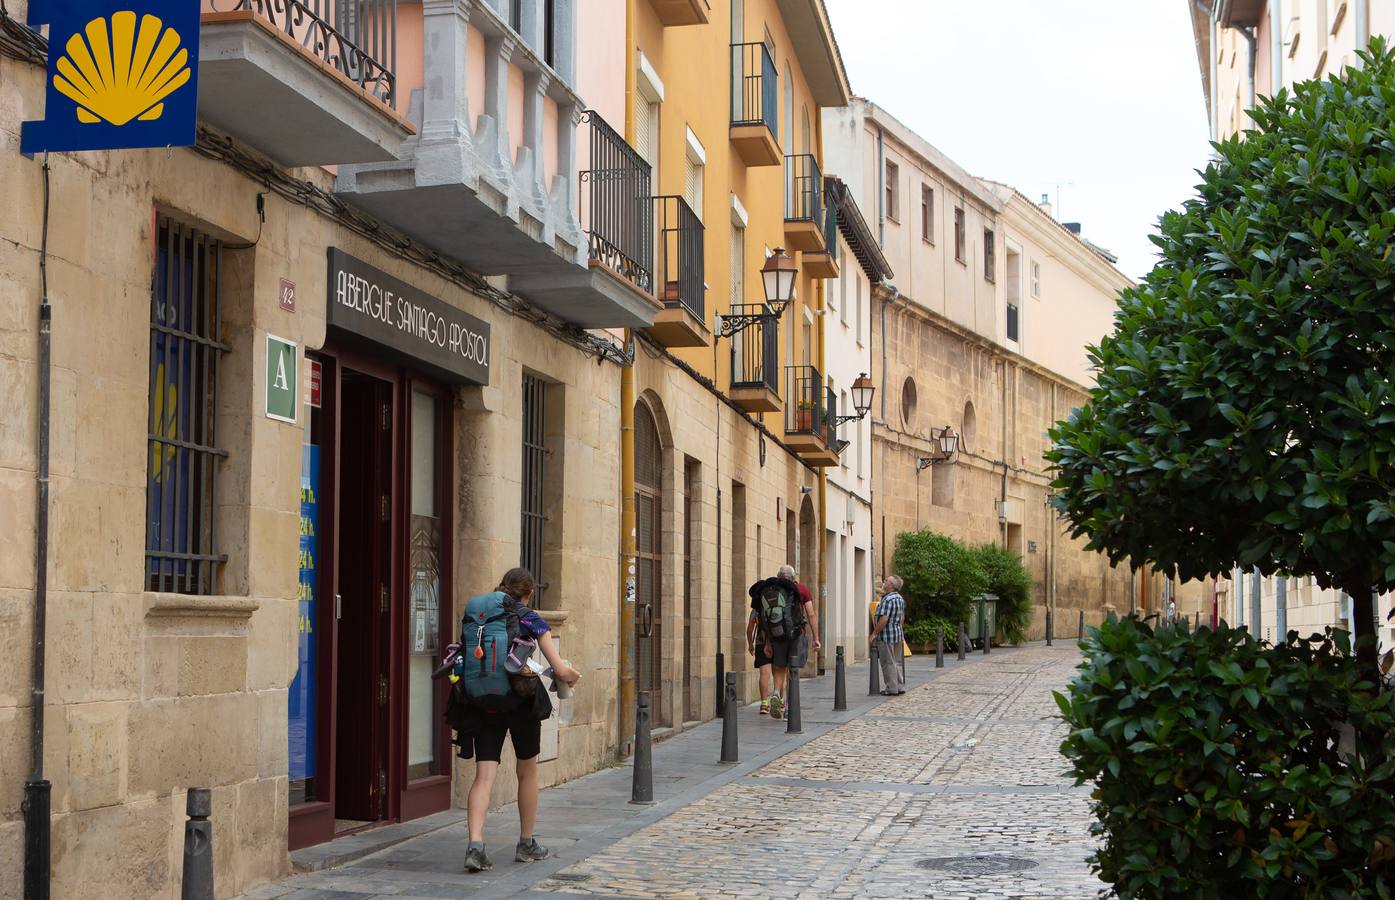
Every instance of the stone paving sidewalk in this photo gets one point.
(954, 790)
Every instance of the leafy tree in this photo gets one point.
(1225, 767)
(941, 575)
(1008, 579)
(1244, 412)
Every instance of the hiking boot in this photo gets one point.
(476, 861)
(777, 706)
(530, 851)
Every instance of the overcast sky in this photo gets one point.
(1099, 99)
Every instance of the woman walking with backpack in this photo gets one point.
(492, 699)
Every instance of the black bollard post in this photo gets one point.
(730, 709)
(721, 679)
(840, 681)
(794, 723)
(1048, 628)
(1080, 629)
(987, 636)
(940, 647)
(197, 883)
(642, 791)
(874, 675)
(963, 639)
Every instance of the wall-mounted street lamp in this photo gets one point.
(777, 277)
(946, 445)
(862, 393)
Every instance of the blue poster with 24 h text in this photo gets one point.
(121, 74)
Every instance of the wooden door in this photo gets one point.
(649, 562)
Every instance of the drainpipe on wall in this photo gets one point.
(823, 488)
(881, 188)
(1276, 47)
(1362, 23)
(626, 694)
(37, 790)
(890, 294)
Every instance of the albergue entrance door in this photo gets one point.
(364, 580)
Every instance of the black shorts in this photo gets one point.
(523, 727)
(761, 658)
(789, 652)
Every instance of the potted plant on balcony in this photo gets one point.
(804, 416)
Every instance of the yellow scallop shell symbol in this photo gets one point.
(122, 72)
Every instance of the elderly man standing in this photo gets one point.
(888, 636)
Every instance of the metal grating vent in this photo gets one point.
(977, 865)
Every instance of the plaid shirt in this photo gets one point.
(892, 605)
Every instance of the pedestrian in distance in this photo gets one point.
(1170, 612)
(888, 635)
(496, 692)
(786, 626)
(755, 645)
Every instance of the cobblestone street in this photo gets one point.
(954, 790)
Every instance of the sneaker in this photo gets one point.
(765, 707)
(476, 861)
(777, 706)
(530, 851)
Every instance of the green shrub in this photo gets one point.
(921, 632)
(941, 575)
(1008, 579)
(1217, 765)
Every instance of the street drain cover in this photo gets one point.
(977, 865)
(571, 876)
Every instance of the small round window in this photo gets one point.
(969, 425)
(908, 402)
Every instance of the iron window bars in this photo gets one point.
(615, 207)
(181, 547)
(534, 518)
(358, 39)
(809, 410)
(754, 91)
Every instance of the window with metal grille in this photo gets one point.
(181, 548)
(534, 520)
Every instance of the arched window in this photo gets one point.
(649, 504)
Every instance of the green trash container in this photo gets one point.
(984, 606)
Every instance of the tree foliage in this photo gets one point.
(942, 576)
(1243, 410)
(1227, 768)
(1008, 579)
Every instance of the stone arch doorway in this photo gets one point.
(649, 550)
(808, 566)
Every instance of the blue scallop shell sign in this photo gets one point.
(121, 74)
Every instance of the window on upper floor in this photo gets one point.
(959, 235)
(843, 299)
(857, 282)
(927, 214)
(990, 255)
(738, 21)
(1036, 279)
(694, 169)
(516, 15)
(893, 180)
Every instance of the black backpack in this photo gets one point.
(779, 609)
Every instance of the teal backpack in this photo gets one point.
(487, 631)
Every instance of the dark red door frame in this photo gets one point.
(313, 822)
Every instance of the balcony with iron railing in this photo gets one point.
(811, 416)
(755, 104)
(826, 262)
(306, 82)
(804, 218)
(755, 360)
(614, 206)
(678, 274)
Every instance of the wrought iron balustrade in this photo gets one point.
(806, 409)
(679, 260)
(754, 88)
(755, 351)
(616, 207)
(803, 189)
(358, 39)
(830, 230)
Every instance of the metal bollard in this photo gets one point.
(1080, 629)
(794, 723)
(963, 639)
(1048, 627)
(840, 681)
(987, 639)
(197, 883)
(874, 675)
(730, 709)
(642, 791)
(940, 647)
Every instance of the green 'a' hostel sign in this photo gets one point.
(282, 379)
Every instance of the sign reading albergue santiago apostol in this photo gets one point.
(373, 306)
